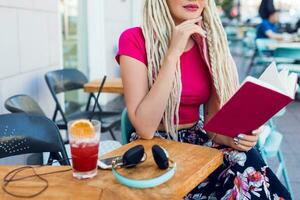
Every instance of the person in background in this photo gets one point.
(265, 7)
(270, 18)
(269, 29)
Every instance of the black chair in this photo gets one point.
(21, 133)
(23, 104)
(65, 80)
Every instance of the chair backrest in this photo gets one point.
(23, 103)
(126, 127)
(62, 81)
(65, 80)
(22, 133)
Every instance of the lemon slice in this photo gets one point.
(82, 128)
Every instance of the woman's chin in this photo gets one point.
(189, 16)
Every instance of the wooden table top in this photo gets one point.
(284, 45)
(111, 85)
(194, 164)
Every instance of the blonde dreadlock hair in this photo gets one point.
(157, 30)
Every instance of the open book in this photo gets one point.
(254, 103)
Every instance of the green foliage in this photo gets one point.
(226, 5)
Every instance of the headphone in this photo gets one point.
(136, 155)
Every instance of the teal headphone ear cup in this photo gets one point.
(160, 157)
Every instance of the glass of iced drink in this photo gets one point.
(84, 137)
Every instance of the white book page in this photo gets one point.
(272, 77)
(280, 82)
(292, 84)
(289, 81)
(284, 77)
(263, 84)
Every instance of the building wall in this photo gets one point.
(125, 14)
(106, 21)
(114, 25)
(30, 46)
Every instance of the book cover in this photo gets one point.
(255, 102)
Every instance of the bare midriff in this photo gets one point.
(180, 126)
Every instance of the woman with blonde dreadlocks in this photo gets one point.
(178, 60)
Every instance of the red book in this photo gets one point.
(254, 103)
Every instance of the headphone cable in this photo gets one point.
(10, 177)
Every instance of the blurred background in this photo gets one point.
(38, 36)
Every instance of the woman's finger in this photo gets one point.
(258, 131)
(246, 143)
(196, 29)
(235, 144)
(241, 147)
(191, 21)
(185, 27)
(250, 138)
(192, 28)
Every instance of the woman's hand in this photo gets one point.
(182, 33)
(243, 142)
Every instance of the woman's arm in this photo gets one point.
(146, 108)
(286, 37)
(275, 36)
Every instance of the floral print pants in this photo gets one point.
(242, 176)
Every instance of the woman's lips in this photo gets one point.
(191, 7)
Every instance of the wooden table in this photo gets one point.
(283, 52)
(269, 44)
(111, 85)
(284, 45)
(194, 164)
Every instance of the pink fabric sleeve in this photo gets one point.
(132, 44)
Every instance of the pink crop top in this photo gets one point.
(195, 76)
